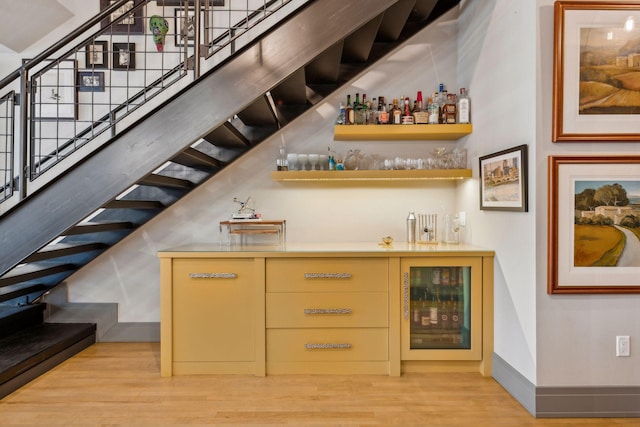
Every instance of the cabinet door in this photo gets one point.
(213, 310)
(441, 308)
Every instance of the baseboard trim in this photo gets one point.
(588, 402)
(523, 390)
(567, 402)
(132, 332)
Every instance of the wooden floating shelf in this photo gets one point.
(401, 132)
(372, 175)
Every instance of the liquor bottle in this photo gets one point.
(383, 114)
(372, 117)
(281, 161)
(450, 115)
(442, 312)
(455, 316)
(360, 108)
(434, 317)
(425, 315)
(433, 110)
(464, 107)
(420, 115)
(407, 116)
(349, 113)
(442, 101)
(396, 113)
(342, 117)
(357, 110)
(331, 160)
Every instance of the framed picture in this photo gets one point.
(90, 81)
(596, 94)
(594, 224)
(179, 3)
(124, 56)
(55, 95)
(503, 180)
(126, 19)
(185, 25)
(96, 55)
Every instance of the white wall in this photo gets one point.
(497, 62)
(576, 333)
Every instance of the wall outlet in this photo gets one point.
(623, 344)
(462, 217)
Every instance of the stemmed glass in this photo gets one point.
(292, 159)
(313, 160)
(303, 159)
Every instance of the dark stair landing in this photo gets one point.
(32, 348)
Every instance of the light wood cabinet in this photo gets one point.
(343, 308)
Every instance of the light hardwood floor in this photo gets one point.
(112, 384)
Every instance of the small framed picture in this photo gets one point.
(124, 56)
(90, 81)
(503, 180)
(185, 25)
(96, 55)
(131, 23)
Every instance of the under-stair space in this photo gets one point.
(184, 142)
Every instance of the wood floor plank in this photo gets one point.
(119, 384)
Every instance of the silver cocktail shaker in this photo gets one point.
(411, 228)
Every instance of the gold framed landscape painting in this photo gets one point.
(596, 71)
(594, 224)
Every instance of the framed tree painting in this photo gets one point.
(503, 180)
(596, 82)
(594, 224)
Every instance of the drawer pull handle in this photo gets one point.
(322, 346)
(405, 296)
(212, 275)
(327, 275)
(327, 311)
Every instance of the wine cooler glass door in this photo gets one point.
(439, 307)
(442, 309)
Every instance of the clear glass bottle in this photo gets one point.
(342, 115)
(433, 109)
(349, 113)
(464, 107)
(282, 164)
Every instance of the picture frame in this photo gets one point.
(594, 97)
(504, 180)
(124, 56)
(96, 55)
(55, 94)
(594, 218)
(132, 24)
(180, 3)
(90, 81)
(179, 22)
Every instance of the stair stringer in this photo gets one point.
(171, 127)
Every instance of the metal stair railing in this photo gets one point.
(93, 85)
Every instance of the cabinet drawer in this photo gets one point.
(318, 310)
(327, 274)
(213, 310)
(331, 345)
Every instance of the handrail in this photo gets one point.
(49, 126)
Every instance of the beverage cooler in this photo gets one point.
(442, 309)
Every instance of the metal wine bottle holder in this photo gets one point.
(427, 229)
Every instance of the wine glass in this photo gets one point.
(303, 159)
(313, 160)
(292, 159)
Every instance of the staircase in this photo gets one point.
(200, 131)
